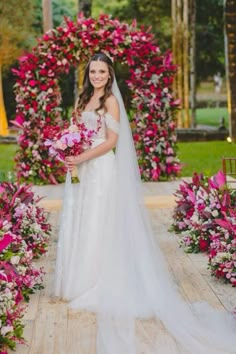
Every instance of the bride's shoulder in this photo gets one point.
(112, 106)
(110, 101)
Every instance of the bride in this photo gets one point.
(107, 261)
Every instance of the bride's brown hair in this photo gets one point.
(88, 89)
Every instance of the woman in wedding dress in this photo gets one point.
(107, 260)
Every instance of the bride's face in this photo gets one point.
(98, 74)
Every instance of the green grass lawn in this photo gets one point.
(211, 116)
(195, 156)
(7, 152)
(204, 157)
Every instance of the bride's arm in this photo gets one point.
(113, 109)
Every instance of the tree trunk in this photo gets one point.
(230, 27)
(180, 47)
(85, 6)
(47, 15)
(175, 51)
(174, 32)
(192, 54)
(179, 59)
(186, 64)
(3, 116)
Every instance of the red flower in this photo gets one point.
(203, 245)
(32, 83)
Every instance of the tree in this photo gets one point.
(209, 38)
(230, 29)
(85, 6)
(60, 9)
(15, 22)
(150, 13)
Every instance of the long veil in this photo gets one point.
(136, 285)
(135, 296)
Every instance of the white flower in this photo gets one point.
(15, 259)
(214, 213)
(64, 61)
(154, 78)
(165, 90)
(31, 111)
(194, 217)
(8, 293)
(6, 329)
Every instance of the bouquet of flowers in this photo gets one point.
(71, 141)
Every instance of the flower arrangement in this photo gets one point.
(24, 235)
(205, 217)
(71, 141)
(38, 97)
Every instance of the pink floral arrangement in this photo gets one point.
(38, 96)
(70, 141)
(24, 236)
(205, 217)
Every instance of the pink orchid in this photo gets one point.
(5, 241)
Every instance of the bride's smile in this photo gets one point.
(98, 74)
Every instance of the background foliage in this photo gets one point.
(154, 13)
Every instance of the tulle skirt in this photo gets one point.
(108, 263)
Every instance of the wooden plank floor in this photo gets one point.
(51, 328)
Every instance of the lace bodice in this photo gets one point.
(92, 121)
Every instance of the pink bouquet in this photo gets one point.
(70, 141)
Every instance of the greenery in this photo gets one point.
(155, 13)
(7, 152)
(212, 116)
(209, 38)
(60, 9)
(204, 156)
(195, 156)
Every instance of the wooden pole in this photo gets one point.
(186, 64)
(47, 15)
(179, 61)
(84, 6)
(3, 116)
(192, 70)
(174, 33)
(230, 28)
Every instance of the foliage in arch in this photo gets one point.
(38, 95)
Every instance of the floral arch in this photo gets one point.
(38, 95)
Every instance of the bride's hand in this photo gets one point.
(71, 162)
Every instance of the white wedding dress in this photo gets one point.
(108, 263)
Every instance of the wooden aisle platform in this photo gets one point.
(50, 328)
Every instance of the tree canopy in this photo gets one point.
(15, 29)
